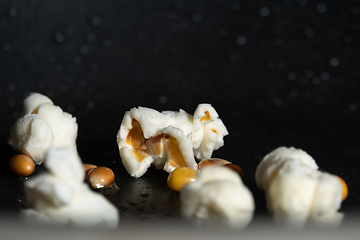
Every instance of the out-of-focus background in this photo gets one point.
(278, 73)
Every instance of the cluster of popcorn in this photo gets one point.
(211, 191)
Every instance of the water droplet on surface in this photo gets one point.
(235, 5)
(303, 3)
(171, 15)
(64, 87)
(294, 93)
(277, 7)
(84, 49)
(6, 47)
(316, 80)
(59, 37)
(12, 87)
(355, 10)
(309, 73)
(334, 62)
(325, 76)
(292, 76)
(347, 38)
(279, 42)
(140, 36)
(82, 82)
(197, 17)
(321, 7)
(271, 64)
(77, 59)
(94, 67)
(107, 42)
(163, 99)
(264, 11)
(58, 67)
(278, 101)
(179, 4)
(90, 37)
(241, 40)
(13, 12)
(223, 32)
(309, 32)
(90, 104)
(96, 21)
(353, 106)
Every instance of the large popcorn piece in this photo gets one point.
(218, 197)
(42, 126)
(61, 197)
(298, 193)
(168, 139)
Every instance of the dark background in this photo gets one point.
(278, 73)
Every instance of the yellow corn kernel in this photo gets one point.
(180, 177)
(344, 188)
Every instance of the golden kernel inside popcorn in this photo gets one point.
(143, 147)
(176, 159)
(180, 177)
(206, 117)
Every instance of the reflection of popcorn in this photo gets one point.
(296, 191)
(44, 125)
(60, 195)
(217, 197)
(164, 139)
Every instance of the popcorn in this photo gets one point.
(218, 197)
(168, 139)
(61, 197)
(298, 193)
(43, 126)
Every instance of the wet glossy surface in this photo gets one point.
(278, 73)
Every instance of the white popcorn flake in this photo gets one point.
(218, 197)
(61, 197)
(297, 193)
(44, 125)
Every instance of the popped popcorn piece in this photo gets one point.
(34, 100)
(61, 197)
(209, 131)
(44, 125)
(168, 139)
(33, 136)
(218, 197)
(275, 160)
(297, 193)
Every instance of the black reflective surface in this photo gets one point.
(278, 73)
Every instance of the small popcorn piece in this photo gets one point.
(33, 136)
(218, 197)
(297, 192)
(61, 197)
(43, 126)
(168, 139)
(272, 162)
(209, 131)
(33, 102)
